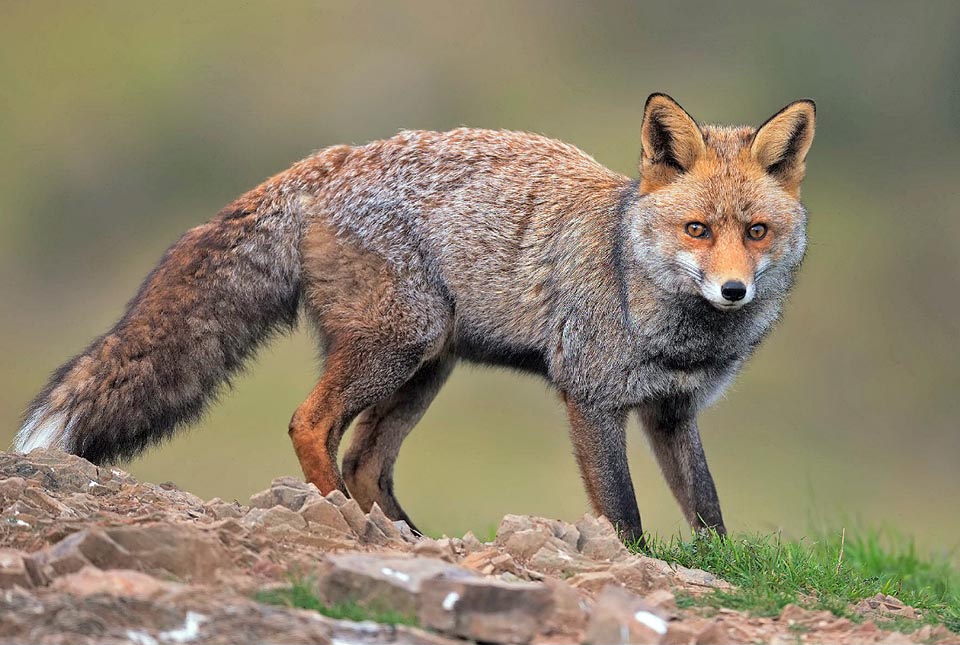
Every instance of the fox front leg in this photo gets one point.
(599, 442)
(671, 426)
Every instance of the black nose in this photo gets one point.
(733, 290)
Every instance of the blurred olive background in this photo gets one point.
(123, 124)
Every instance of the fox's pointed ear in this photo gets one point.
(781, 143)
(671, 141)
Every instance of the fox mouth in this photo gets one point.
(725, 306)
(717, 295)
(712, 294)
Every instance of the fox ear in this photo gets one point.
(781, 143)
(671, 142)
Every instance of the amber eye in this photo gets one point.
(696, 229)
(757, 231)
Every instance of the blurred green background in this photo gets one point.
(123, 124)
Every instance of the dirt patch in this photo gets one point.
(90, 554)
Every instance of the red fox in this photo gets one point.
(505, 248)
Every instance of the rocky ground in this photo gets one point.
(91, 555)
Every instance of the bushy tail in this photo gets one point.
(218, 292)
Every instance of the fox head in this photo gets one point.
(719, 213)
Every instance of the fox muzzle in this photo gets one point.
(729, 294)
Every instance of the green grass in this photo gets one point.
(300, 594)
(770, 572)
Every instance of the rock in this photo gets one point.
(491, 562)
(115, 582)
(471, 543)
(634, 574)
(776, 639)
(79, 621)
(13, 569)
(430, 548)
(510, 524)
(181, 550)
(87, 555)
(104, 618)
(884, 606)
(293, 482)
(593, 582)
(485, 610)
(276, 517)
(568, 616)
(21, 515)
(336, 497)
(263, 499)
(691, 580)
(11, 489)
(561, 530)
(662, 599)
(353, 515)
(699, 580)
(523, 544)
(109, 487)
(679, 634)
(373, 535)
(406, 533)
(384, 523)
(415, 636)
(220, 510)
(621, 617)
(715, 634)
(229, 528)
(599, 540)
(556, 558)
(379, 529)
(286, 492)
(456, 546)
(53, 469)
(834, 624)
(523, 535)
(90, 546)
(792, 613)
(382, 582)
(932, 634)
(322, 513)
(321, 541)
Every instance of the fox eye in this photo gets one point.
(697, 229)
(757, 231)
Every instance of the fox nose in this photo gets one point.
(733, 290)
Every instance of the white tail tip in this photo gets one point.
(43, 430)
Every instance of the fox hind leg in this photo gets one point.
(379, 433)
(357, 375)
(378, 324)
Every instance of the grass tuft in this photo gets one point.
(300, 594)
(771, 572)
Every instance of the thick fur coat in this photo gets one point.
(504, 248)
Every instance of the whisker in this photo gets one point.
(694, 272)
